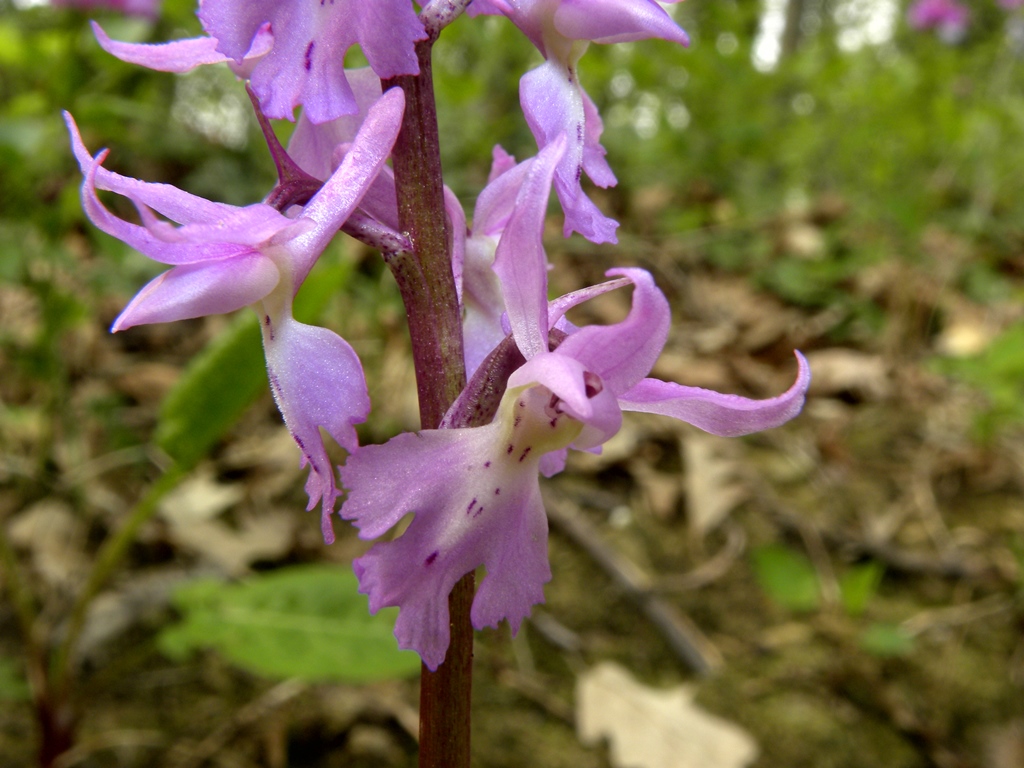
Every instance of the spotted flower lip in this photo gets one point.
(223, 258)
(553, 99)
(474, 492)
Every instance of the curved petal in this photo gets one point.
(520, 261)
(169, 201)
(552, 102)
(197, 290)
(620, 22)
(318, 382)
(345, 188)
(725, 415)
(563, 375)
(178, 55)
(142, 238)
(622, 354)
(558, 307)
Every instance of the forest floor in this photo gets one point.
(845, 589)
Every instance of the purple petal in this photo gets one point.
(312, 145)
(473, 505)
(552, 102)
(152, 244)
(179, 55)
(502, 161)
(561, 374)
(196, 290)
(520, 261)
(497, 200)
(621, 21)
(622, 354)
(481, 298)
(167, 200)
(318, 382)
(345, 188)
(594, 164)
(558, 307)
(306, 64)
(725, 415)
(604, 421)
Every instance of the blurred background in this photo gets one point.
(844, 591)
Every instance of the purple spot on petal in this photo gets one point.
(522, 403)
(471, 505)
(275, 383)
(579, 173)
(525, 453)
(497, 491)
(510, 448)
(307, 61)
(487, 464)
(298, 440)
(515, 423)
(579, 132)
(431, 557)
(592, 384)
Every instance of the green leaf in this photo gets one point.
(213, 392)
(858, 585)
(887, 640)
(787, 577)
(307, 622)
(226, 378)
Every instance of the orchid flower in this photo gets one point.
(474, 492)
(292, 52)
(306, 64)
(552, 98)
(224, 258)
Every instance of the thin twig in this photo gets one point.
(684, 637)
(269, 701)
(950, 565)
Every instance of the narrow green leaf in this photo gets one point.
(787, 577)
(307, 622)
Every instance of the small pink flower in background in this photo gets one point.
(1011, 4)
(947, 17)
(149, 8)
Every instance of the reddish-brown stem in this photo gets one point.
(425, 279)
